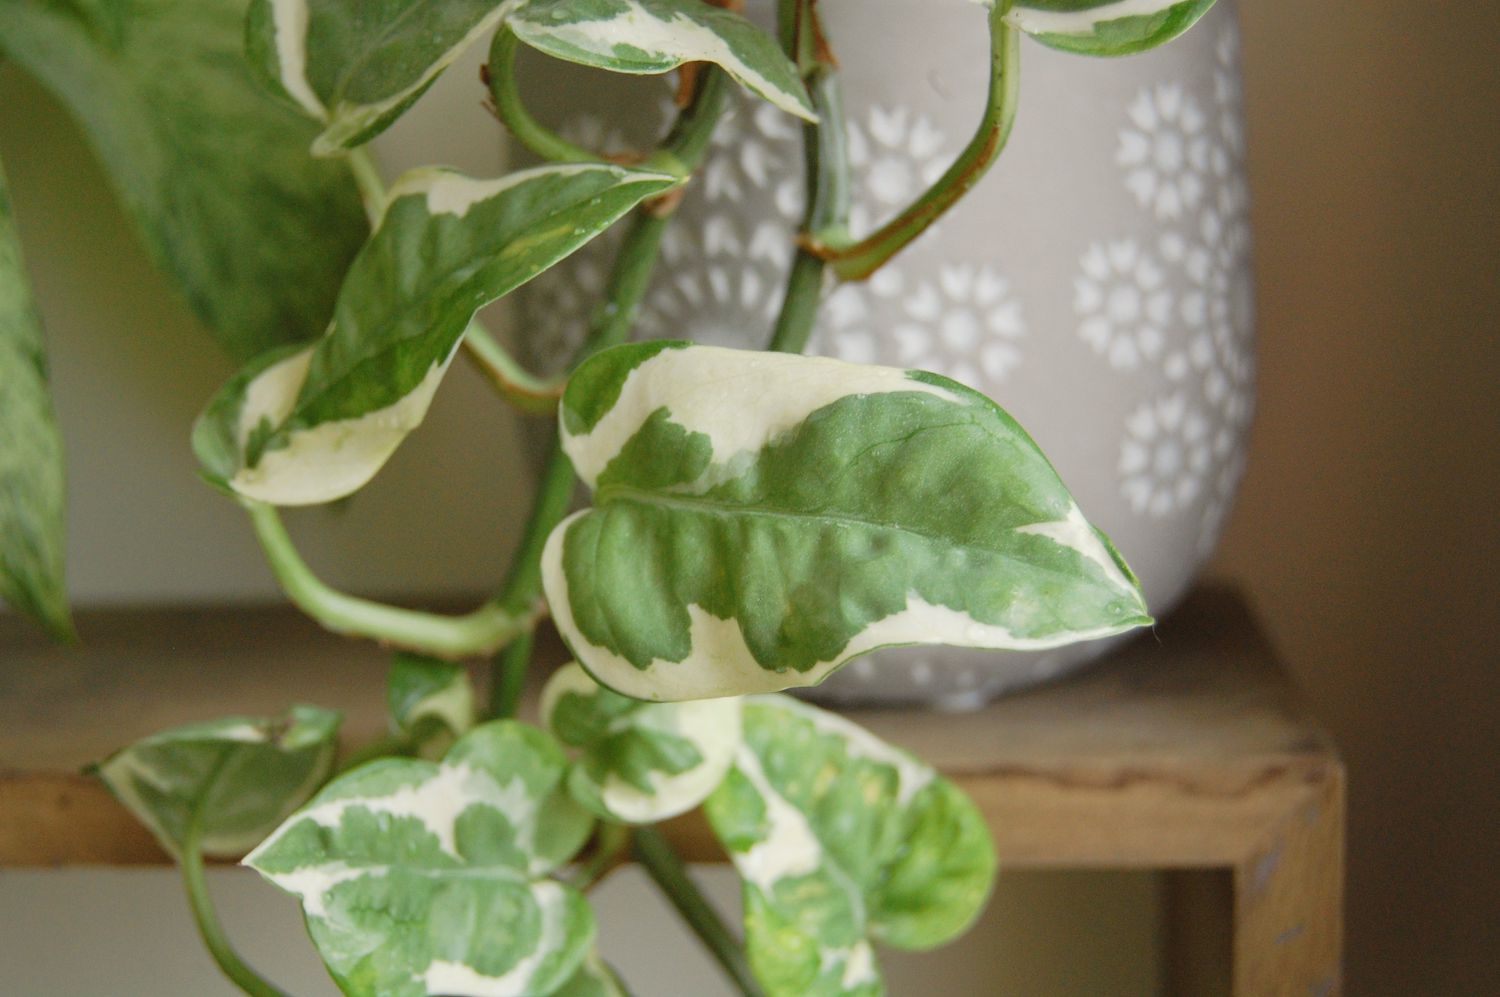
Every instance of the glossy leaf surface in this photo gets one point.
(759, 519)
(32, 498)
(843, 840)
(654, 36)
(356, 65)
(425, 878)
(214, 171)
(430, 702)
(641, 762)
(1106, 27)
(246, 774)
(311, 426)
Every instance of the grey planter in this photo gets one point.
(1097, 284)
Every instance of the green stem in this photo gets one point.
(826, 154)
(202, 904)
(523, 389)
(513, 113)
(859, 260)
(664, 866)
(508, 677)
(483, 631)
(609, 852)
(371, 186)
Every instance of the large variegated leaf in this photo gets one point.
(214, 171)
(759, 519)
(314, 425)
(431, 702)
(424, 878)
(654, 36)
(31, 460)
(242, 775)
(356, 65)
(641, 762)
(1106, 27)
(843, 840)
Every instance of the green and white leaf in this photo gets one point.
(431, 702)
(357, 65)
(32, 493)
(654, 36)
(245, 774)
(1106, 27)
(759, 519)
(425, 878)
(313, 425)
(843, 841)
(214, 171)
(641, 762)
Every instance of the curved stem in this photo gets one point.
(523, 389)
(609, 853)
(513, 113)
(202, 904)
(665, 868)
(859, 260)
(371, 186)
(483, 631)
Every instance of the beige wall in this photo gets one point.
(1367, 531)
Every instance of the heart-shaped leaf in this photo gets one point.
(431, 702)
(242, 775)
(214, 171)
(426, 878)
(843, 840)
(759, 519)
(31, 460)
(357, 65)
(314, 425)
(642, 762)
(654, 36)
(1106, 27)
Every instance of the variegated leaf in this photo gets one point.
(244, 775)
(31, 461)
(1106, 27)
(357, 65)
(431, 702)
(214, 172)
(642, 762)
(843, 840)
(759, 519)
(313, 425)
(654, 36)
(426, 878)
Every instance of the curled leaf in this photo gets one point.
(243, 774)
(760, 519)
(642, 762)
(424, 878)
(1106, 27)
(430, 702)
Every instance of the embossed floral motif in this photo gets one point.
(1123, 303)
(1167, 151)
(1165, 457)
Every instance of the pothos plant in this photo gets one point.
(757, 519)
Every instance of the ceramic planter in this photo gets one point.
(1097, 283)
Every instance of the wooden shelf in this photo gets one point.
(1186, 750)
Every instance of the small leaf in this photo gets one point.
(314, 425)
(642, 762)
(1106, 27)
(654, 36)
(214, 172)
(594, 979)
(31, 459)
(246, 774)
(760, 519)
(431, 702)
(843, 840)
(357, 66)
(426, 878)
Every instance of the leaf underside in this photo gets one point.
(1107, 27)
